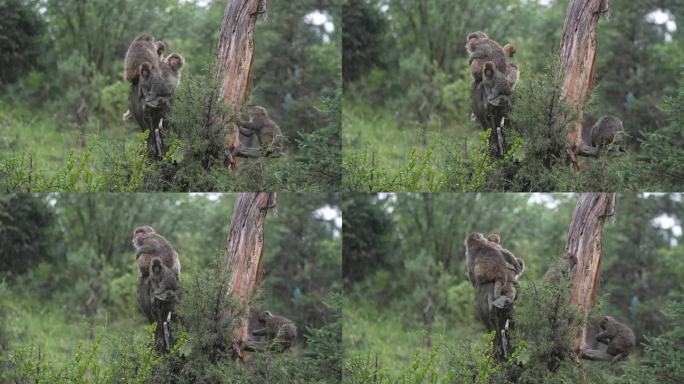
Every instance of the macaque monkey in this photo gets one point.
(497, 88)
(486, 262)
(171, 67)
(270, 136)
(481, 49)
(142, 50)
(608, 130)
(515, 270)
(278, 330)
(619, 338)
(148, 245)
(164, 282)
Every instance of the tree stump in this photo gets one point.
(496, 313)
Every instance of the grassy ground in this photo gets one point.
(59, 333)
(24, 131)
(395, 342)
(380, 153)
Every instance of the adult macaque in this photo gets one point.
(278, 330)
(619, 338)
(148, 245)
(481, 49)
(270, 136)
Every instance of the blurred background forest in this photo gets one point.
(68, 280)
(406, 106)
(409, 313)
(62, 96)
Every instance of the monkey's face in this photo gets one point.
(175, 61)
(140, 232)
(156, 266)
(472, 40)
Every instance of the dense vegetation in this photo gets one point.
(63, 96)
(407, 119)
(68, 276)
(409, 312)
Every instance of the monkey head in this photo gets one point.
(259, 113)
(473, 38)
(140, 232)
(175, 61)
(263, 316)
(474, 238)
(494, 238)
(606, 321)
(156, 266)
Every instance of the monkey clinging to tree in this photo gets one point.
(270, 136)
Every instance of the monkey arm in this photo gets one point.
(246, 132)
(603, 337)
(510, 258)
(260, 332)
(150, 246)
(248, 125)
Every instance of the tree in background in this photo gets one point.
(21, 39)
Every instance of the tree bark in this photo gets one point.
(578, 59)
(235, 63)
(244, 249)
(584, 243)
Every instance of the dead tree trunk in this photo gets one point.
(244, 248)
(578, 59)
(584, 246)
(235, 62)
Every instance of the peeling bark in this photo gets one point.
(235, 63)
(244, 249)
(578, 58)
(584, 242)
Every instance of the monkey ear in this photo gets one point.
(160, 47)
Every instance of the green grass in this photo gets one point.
(59, 332)
(395, 343)
(25, 131)
(381, 155)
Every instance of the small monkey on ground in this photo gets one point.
(619, 338)
(515, 270)
(148, 245)
(280, 331)
(163, 281)
(270, 136)
(481, 49)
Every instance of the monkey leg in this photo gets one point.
(143, 298)
(484, 296)
(259, 332)
(618, 357)
(596, 355)
(249, 152)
